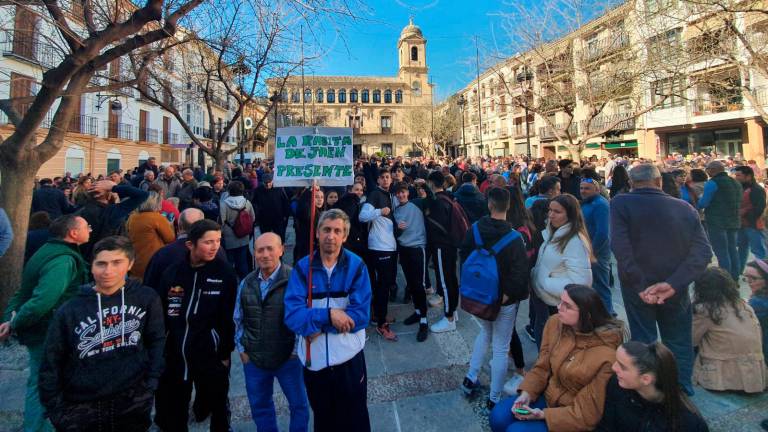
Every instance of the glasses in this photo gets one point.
(748, 279)
(90, 228)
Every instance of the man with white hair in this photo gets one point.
(660, 248)
(169, 182)
(186, 192)
(149, 178)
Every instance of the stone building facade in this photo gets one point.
(378, 109)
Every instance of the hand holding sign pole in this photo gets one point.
(313, 156)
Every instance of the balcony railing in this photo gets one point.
(761, 96)
(148, 135)
(548, 133)
(27, 47)
(600, 123)
(714, 106)
(503, 133)
(605, 46)
(170, 138)
(119, 131)
(557, 101)
(519, 131)
(219, 101)
(386, 130)
(84, 125)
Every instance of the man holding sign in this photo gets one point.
(334, 365)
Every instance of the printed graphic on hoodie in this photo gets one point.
(119, 327)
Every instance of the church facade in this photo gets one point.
(386, 113)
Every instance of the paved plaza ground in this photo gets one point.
(412, 386)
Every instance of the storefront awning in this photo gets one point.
(621, 145)
(593, 145)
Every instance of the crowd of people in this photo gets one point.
(138, 287)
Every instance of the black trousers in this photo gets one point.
(129, 411)
(413, 260)
(382, 267)
(174, 393)
(338, 396)
(447, 281)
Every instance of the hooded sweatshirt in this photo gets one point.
(381, 236)
(99, 346)
(229, 210)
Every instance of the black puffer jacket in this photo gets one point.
(357, 241)
(266, 339)
(512, 261)
(626, 411)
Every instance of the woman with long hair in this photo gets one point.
(619, 181)
(303, 221)
(644, 395)
(149, 231)
(564, 258)
(727, 333)
(80, 193)
(756, 276)
(565, 389)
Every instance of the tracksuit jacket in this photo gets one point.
(198, 304)
(348, 287)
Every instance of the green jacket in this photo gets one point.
(723, 211)
(52, 276)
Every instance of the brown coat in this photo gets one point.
(148, 231)
(730, 354)
(572, 372)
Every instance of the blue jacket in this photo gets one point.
(760, 305)
(6, 232)
(473, 202)
(348, 288)
(657, 238)
(596, 212)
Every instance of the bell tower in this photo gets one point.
(412, 60)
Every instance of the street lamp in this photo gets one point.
(526, 77)
(461, 102)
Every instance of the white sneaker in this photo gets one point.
(443, 326)
(510, 387)
(434, 300)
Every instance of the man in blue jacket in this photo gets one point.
(596, 216)
(333, 326)
(660, 248)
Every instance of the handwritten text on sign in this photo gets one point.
(323, 154)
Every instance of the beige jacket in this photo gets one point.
(730, 354)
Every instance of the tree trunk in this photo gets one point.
(16, 198)
(220, 161)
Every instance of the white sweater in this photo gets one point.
(554, 270)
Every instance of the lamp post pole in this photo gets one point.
(461, 102)
(274, 99)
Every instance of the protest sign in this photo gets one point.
(306, 154)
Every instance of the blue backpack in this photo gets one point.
(480, 293)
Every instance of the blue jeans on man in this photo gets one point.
(675, 325)
(750, 239)
(34, 417)
(259, 386)
(723, 243)
(601, 278)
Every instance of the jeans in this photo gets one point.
(497, 334)
(240, 258)
(502, 420)
(541, 313)
(259, 386)
(675, 321)
(34, 421)
(750, 239)
(723, 243)
(601, 280)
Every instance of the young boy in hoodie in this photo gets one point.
(103, 353)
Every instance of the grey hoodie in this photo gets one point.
(229, 209)
(415, 234)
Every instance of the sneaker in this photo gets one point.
(421, 336)
(375, 321)
(468, 387)
(386, 333)
(443, 326)
(489, 405)
(413, 319)
(510, 387)
(434, 300)
(529, 332)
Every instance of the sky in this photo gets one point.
(369, 47)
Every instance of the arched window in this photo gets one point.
(365, 96)
(399, 96)
(307, 95)
(377, 96)
(330, 96)
(414, 54)
(416, 87)
(74, 160)
(387, 96)
(319, 95)
(353, 96)
(342, 95)
(295, 96)
(113, 160)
